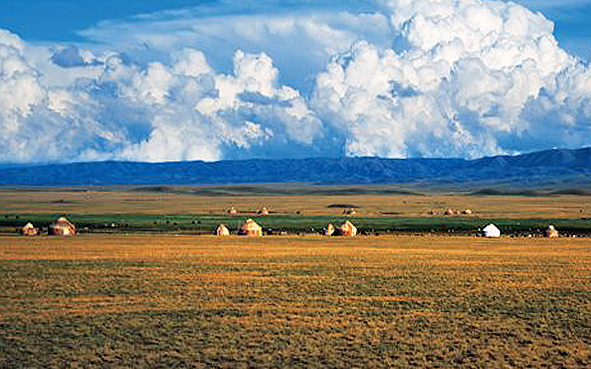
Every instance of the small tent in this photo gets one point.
(449, 211)
(222, 230)
(491, 230)
(232, 211)
(29, 230)
(347, 229)
(62, 227)
(350, 212)
(263, 211)
(250, 228)
(467, 212)
(329, 230)
(551, 232)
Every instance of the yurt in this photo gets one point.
(329, 230)
(449, 212)
(232, 211)
(62, 227)
(29, 230)
(263, 211)
(250, 228)
(347, 229)
(492, 231)
(551, 232)
(222, 230)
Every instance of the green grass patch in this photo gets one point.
(207, 223)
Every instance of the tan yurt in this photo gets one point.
(232, 211)
(347, 229)
(222, 230)
(329, 230)
(250, 228)
(350, 212)
(62, 227)
(449, 212)
(467, 212)
(263, 211)
(551, 232)
(29, 230)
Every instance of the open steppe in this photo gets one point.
(294, 209)
(290, 199)
(395, 301)
(141, 286)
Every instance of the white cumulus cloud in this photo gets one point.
(463, 83)
(402, 78)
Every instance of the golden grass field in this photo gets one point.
(395, 301)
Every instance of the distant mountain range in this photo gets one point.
(551, 168)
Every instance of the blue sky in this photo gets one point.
(157, 80)
(61, 20)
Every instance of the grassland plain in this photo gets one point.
(315, 201)
(295, 209)
(166, 301)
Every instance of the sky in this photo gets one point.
(158, 80)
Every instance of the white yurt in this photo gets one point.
(491, 230)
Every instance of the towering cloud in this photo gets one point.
(181, 111)
(468, 78)
(455, 78)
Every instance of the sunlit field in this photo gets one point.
(294, 209)
(388, 301)
(308, 200)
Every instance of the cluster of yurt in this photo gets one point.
(347, 229)
(492, 231)
(249, 228)
(61, 227)
(262, 211)
(450, 212)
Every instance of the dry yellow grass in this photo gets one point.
(311, 301)
(122, 202)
